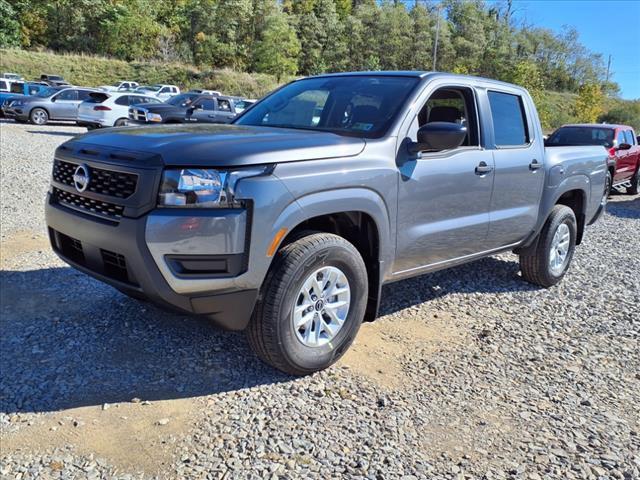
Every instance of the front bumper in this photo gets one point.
(158, 257)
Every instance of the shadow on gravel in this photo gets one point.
(68, 341)
(625, 208)
(53, 132)
(488, 275)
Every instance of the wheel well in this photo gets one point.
(41, 108)
(575, 200)
(359, 229)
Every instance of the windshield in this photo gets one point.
(362, 106)
(47, 92)
(183, 100)
(569, 136)
(149, 88)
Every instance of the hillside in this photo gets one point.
(93, 71)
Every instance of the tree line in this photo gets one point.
(306, 37)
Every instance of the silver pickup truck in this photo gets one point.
(287, 222)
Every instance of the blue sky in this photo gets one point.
(605, 26)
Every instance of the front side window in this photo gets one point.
(620, 137)
(207, 104)
(3, 85)
(68, 95)
(184, 100)
(628, 134)
(509, 121)
(17, 87)
(353, 105)
(453, 105)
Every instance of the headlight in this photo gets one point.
(16, 103)
(196, 187)
(153, 117)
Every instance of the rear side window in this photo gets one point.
(96, 97)
(224, 105)
(123, 100)
(509, 121)
(33, 90)
(84, 94)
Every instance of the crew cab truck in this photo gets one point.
(287, 222)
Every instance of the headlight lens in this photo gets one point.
(197, 187)
(154, 117)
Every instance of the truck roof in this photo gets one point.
(612, 126)
(417, 74)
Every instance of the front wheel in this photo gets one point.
(311, 306)
(39, 116)
(549, 261)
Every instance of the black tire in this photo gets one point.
(39, 116)
(535, 262)
(608, 180)
(91, 127)
(271, 333)
(121, 122)
(635, 183)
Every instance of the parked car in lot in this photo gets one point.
(18, 90)
(242, 105)
(12, 76)
(105, 109)
(53, 80)
(123, 86)
(53, 103)
(215, 93)
(163, 92)
(287, 223)
(185, 108)
(621, 143)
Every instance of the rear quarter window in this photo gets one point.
(509, 120)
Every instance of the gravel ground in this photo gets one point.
(469, 373)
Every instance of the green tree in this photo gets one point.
(277, 51)
(9, 27)
(589, 103)
(526, 74)
(421, 52)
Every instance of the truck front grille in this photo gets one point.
(138, 114)
(106, 210)
(105, 182)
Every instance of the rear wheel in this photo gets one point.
(121, 122)
(39, 116)
(549, 261)
(635, 184)
(311, 306)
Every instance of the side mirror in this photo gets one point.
(54, 98)
(624, 146)
(439, 136)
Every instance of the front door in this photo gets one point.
(519, 174)
(444, 196)
(65, 106)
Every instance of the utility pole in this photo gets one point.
(608, 68)
(435, 44)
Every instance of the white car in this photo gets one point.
(214, 93)
(109, 109)
(163, 92)
(120, 86)
(12, 76)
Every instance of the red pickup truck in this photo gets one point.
(619, 140)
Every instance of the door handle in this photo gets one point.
(535, 165)
(483, 168)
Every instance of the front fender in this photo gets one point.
(336, 201)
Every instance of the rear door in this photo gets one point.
(225, 112)
(519, 174)
(203, 110)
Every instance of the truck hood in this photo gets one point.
(215, 145)
(160, 107)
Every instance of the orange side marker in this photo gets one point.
(275, 242)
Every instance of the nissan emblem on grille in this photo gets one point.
(81, 178)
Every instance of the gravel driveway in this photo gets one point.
(469, 373)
